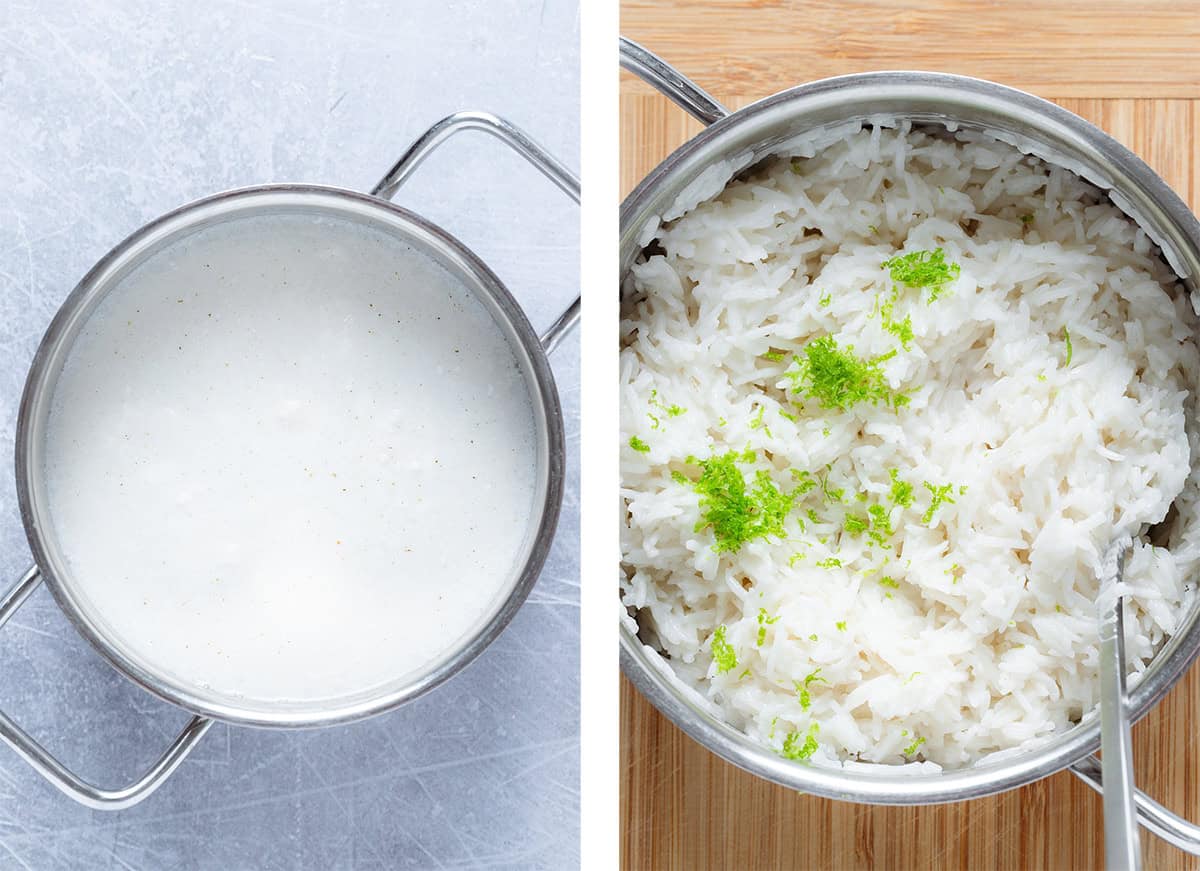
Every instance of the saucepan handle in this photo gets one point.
(671, 83)
(518, 141)
(1153, 817)
(58, 774)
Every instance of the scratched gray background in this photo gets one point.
(114, 111)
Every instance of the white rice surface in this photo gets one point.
(988, 640)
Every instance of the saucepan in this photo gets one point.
(701, 167)
(375, 211)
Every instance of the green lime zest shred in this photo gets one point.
(829, 563)
(902, 491)
(837, 378)
(670, 410)
(856, 524)
(738, 513)
(825, 300)
(804, 481)
(881, 527)
(763, 622)
(941, 496)
(902, 330)
(889, 582)
(756, 422)
(799, 747)
(802, 688)
(723, 653)
(841, 625)
(833, 495)
(923, 269)
(1066, 334)
(913, 747)
(774, 356)
(812, 637)
(638, 445)
(1027, 219)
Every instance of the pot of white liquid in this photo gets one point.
(289, 456)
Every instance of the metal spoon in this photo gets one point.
(1121, 850)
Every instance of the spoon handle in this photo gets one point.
(1121, 848)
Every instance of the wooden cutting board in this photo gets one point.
(1132, 69)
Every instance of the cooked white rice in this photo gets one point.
(984, 636)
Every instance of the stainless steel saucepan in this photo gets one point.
(373, 210)
(750, 134)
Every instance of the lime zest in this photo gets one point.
(723, 653)
(638, 445)
(837, 378)
(669, 410)
(902, 330)
(832, 494)
(1066, 334)
(763, 622)
(800, 747)
(802, 688)
(756, 422)
(735, 513)
(881, 526)
(913, 747)
(941, 496)
(923, 269)
(902, 491)
(856, 524)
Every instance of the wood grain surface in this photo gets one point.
(1136, 74)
